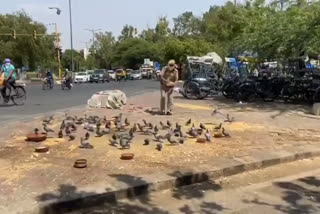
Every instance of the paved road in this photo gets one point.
(298, 191)
(39, 101)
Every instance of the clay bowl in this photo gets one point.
(42, 149)
(36, 137)
(80, 163)
(127, 156)
(201, 140)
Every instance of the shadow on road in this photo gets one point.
(296, 196)
(68, 199)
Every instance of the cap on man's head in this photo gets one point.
(7, 60)
(171, 62)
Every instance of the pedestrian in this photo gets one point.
(9, 78)
(168, 79)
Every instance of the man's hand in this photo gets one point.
(170, 84)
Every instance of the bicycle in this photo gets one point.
(19, 95)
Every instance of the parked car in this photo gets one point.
(89, 73)
(81, 77)
(112, 75)
(147, 73)
(99, 75)
(136, 75)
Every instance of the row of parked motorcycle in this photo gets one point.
(268, 85)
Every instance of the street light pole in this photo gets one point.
(93, 31)
(71, 39)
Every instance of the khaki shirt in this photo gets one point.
(168, 76)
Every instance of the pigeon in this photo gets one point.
(146, 142)
(67, 131)
(159, 147)
(98, 133)
(60, 134)
(148, 132)
(126, 122)
(171, 140)
(215, 111)
(105, 120)
(218, 127)
(90, 128)
(225, 133)
(113, 143)
(202, 126)
(159, 138)
(85, 125)
(114, 137)
(36, 131)
(47, 129)
(106, 131)
(87, 136)
(134, 128)
(124, 143)
(164, 126)
(140, 127)
(48, 121)
(84, 144)
(71, 137)
(150, 126)
(155, 129)
(181, 140)
(188, 123)
(169, 123)
(63, 125)
(207, 136)
(145, 122)
(228, 119)
(108, 125)
(193, 133)
(73, 128)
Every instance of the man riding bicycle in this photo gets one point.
(9, 78)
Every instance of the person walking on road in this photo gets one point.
(9, 78)
(168, 79)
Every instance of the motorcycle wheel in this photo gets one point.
(245, 95)
(192, 91)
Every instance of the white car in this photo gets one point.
(112, 74)
(136, 75)
(81, 77)
(89, 73)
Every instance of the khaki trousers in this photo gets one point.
(166, 101)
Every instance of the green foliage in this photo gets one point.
(24, 50)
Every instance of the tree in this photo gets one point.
(78, 60)
(104, 46)
(128, 32)
(24, 50)
(186, 24)
(131, 53)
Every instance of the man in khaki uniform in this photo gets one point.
(168, 79)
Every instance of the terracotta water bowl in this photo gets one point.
(36, 137)
(42, 149)
(127, 156)
(80, 163)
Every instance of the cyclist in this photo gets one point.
(9, 78)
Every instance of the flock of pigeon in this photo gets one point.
(122, 134)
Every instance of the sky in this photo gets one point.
(107, 15)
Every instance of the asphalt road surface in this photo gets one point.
(42, 101)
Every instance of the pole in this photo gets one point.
(70, 12)
(93, 31)
(58, 49)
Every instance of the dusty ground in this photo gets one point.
(265, 126)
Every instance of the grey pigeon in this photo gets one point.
(225, 133)
(113, 142)
(71, 137)
(124, 143)
(188, 123)
(60, 134)
(207, 136)
(218, 127)
(84, 144)
(159, 147)
(47, 129)
(146, 142)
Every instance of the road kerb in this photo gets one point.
(135, 186)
